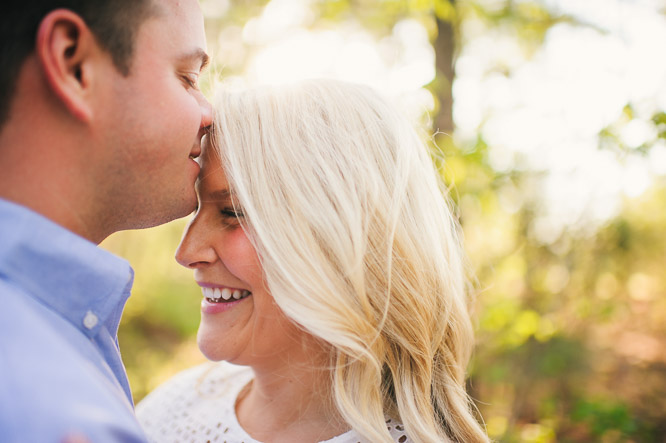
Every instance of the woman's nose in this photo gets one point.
(195, 249)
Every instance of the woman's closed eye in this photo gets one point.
(231, 214)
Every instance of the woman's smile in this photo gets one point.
(223, 294)
(218, 299)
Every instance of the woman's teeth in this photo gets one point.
(218, 295)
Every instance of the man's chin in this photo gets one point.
(157, 217)
(185, 208)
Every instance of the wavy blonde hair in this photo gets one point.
(359, 247)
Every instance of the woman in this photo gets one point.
(330, 265)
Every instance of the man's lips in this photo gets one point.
(195, 153)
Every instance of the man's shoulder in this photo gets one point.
(35, 340)
(50, 383)
(27, 326)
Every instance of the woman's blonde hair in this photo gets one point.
(359, 247)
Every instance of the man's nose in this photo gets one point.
(206, 112)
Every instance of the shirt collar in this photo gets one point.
(69, 274)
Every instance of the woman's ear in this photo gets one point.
(65, 48)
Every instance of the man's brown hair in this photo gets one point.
(113, 22)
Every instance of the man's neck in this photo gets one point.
(42, 177)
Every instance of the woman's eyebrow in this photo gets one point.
(222, 194)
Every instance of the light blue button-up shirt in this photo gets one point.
(61, 299)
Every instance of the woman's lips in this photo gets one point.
(218, 298)
(211, 307)
(221, 295)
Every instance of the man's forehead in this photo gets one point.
(178, 24)
(177, 8)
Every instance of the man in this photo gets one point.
(100, 124)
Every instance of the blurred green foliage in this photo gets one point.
(571, 332)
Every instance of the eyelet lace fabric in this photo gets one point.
(197, 405)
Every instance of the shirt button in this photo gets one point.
(90, 320)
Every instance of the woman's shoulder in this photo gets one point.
(208, 378)
(188, 397)
(395, 428)
(397, 431)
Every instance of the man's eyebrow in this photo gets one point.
(196, 55)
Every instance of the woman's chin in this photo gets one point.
(209, 345)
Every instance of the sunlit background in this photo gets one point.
(552, 128)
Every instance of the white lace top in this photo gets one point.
(198, 405)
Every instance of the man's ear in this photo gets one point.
(65, 47)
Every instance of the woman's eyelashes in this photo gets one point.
(231, 214)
